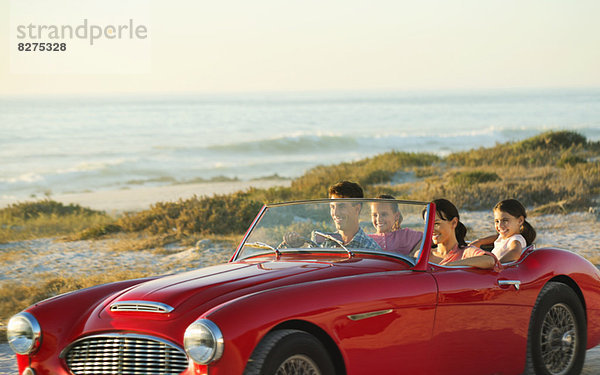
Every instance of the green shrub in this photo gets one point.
(98, 231)
(46, 207)
(221, 214)
(554, 140)
(375, 170)
(473, 177)
(569, 159)
(576, 186)
(46, 218)
(543, 149)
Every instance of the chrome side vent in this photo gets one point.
(141, 306)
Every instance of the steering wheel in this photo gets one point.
(294, 240)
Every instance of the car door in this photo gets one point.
(387, 328)
(481, 322)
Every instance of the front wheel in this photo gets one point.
(557, 333)
(289, 352)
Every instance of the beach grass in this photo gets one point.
(175, 221)
(573, 188)
(167, 244)
(47, 218)
(376, 170)
(594, 259)
(559, 171)
(552, 148)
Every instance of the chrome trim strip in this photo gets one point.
(515, 283)
(359, 200)
(371, 314)
(319, 250)
(141, 306)
(247, 234)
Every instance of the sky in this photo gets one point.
(198, 46)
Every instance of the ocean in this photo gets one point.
(55, 145)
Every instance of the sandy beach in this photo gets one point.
(30, 260)
(140, 198)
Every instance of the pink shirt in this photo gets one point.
(400, 241)
(458, 253)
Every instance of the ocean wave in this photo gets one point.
(29, 177)
(286, 144)
(90, 166)
(364, 144)
(442, 138)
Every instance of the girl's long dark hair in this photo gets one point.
(514, 208)
(448, 211)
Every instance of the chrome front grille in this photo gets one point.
(125, 354)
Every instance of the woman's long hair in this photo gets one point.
(514, 208)
(448, 211)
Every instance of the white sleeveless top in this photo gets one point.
(501, 244)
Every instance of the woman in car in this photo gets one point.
(449, 236)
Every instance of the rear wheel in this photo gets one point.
(289, 352)
(557, 333)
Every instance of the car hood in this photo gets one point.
(189, 295)
(208, 287)
(195, 288)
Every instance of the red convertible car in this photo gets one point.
(295, 299)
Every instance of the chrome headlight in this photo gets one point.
(24, 333)
(203, 341)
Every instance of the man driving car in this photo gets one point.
(345, 216)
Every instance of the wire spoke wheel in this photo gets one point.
(558, 339)
(557, 332)
(290, 352)
(298, 365)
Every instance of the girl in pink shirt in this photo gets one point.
(449, 236)
(386, 218)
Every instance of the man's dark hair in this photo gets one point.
(346, 189)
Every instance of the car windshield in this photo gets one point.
(348, 226)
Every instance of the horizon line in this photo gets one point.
(80, 95)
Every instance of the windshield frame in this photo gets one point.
(420, 263)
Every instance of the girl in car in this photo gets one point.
(386, 219)
(514, 232)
